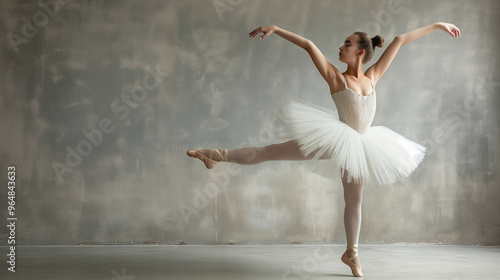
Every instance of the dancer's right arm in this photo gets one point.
(325, 68)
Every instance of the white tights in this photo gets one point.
(353, 193)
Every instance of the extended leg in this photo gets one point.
(254, 155)
(251, 155)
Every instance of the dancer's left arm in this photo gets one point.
(376, 71)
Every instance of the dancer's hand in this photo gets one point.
(267, 30)
(449, 28)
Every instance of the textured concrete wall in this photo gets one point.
(101, 99)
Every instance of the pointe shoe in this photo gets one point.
(356, 269)
(214, 156)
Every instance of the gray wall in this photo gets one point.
(147, 80)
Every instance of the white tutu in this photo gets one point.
(378, 156)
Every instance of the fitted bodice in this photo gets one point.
(355, 110)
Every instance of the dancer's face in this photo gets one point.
(350, 50)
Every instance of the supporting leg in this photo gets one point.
(353, 197)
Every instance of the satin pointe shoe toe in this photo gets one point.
(355, 267)
(212, 156)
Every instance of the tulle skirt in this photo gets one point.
(379, 156)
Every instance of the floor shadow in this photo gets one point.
(336, 275)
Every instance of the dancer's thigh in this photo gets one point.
(289, 151)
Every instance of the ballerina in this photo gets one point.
(345, 142)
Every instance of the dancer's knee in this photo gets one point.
(272, 152)
(353, 202)
(353, 195)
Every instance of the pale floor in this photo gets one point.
(251, 262)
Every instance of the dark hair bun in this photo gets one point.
(378, 41)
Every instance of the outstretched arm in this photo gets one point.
(325, 68)
(378, 69)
